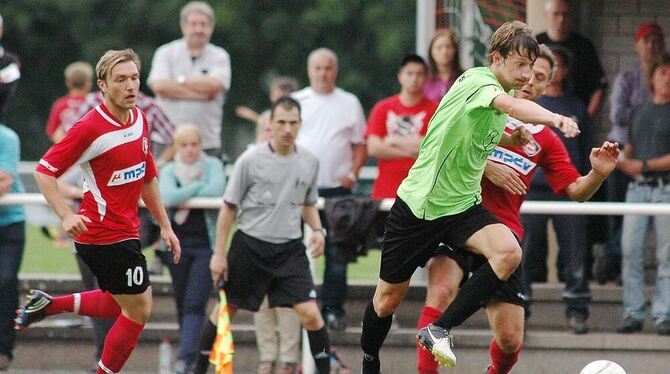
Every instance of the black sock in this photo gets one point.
(320, 347)
(207, 337)
(374, 332)
(474, 294)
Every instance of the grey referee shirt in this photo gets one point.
(270, 191)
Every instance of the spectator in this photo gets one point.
(647, 162)
(190, 76)
(279, 86)
(12, 232)
(588, 77)
(191, 174)
(444, 64)
(630, 89)
(65, 110)
(572, 238)
(9, 75)
(397, 125)
(333, 129)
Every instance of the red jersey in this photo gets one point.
(116, 161)
(546, 151)
(390, 117)
(64, 111)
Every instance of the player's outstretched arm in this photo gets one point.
(603, 162)
(530, 112)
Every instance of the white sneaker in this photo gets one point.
(438, 341)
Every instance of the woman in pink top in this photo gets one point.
(444, 64)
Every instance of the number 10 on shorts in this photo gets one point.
(135, 276)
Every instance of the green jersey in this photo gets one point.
(446, 177)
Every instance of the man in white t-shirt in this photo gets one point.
(333, 129)
(190, 76)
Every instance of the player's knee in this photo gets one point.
(139, 313)
(508, 258)
(311, 319)
(439, 296)
(510, 340)
(385, 305)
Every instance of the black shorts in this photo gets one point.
(512, 290)
(409, 242)
(120, 268)
(257, 268)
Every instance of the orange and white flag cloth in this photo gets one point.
(223, 349)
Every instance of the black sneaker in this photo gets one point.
(629, 325)
(371, 365)
(33, 311)
(437, 340)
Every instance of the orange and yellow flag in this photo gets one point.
(223, 349)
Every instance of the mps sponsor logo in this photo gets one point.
(127, 175)
(513, 160)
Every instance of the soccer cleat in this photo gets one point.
(438, 341)
(33, 311)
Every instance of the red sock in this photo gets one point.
(97, 303)
(60, 304)
(119, 344)
(501, 362)
(425, 362)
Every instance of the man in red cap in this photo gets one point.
(630, 89)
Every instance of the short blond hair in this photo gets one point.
(113, 57)
(78, 74)
(184, 130)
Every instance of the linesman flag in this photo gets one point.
(223, 349)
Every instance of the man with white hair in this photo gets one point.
(190, 76)
(9, 75)
(333, 129)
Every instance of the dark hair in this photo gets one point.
(413, 58)
(514, 36)
(286, 102)
(665, 60)
(455, 64)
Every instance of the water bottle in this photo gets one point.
(165, 357)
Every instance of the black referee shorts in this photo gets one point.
(409, 242)
(257, 268)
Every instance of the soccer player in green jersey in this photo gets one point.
(440, 200)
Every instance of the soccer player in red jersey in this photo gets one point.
(508, 175)
(111, 145)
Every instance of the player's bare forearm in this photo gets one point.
(152, 199)
(48, 185)
(659, 163)
(530, 112)
(603, 162)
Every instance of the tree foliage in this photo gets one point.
(263, 37)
